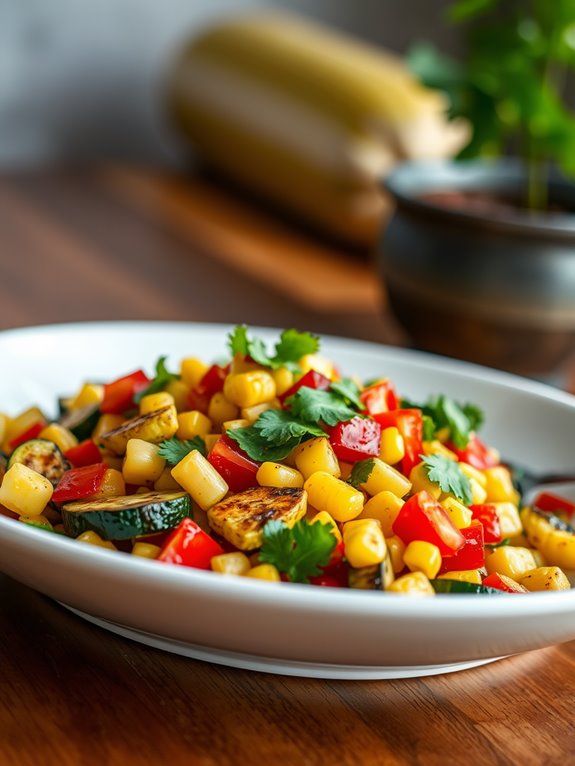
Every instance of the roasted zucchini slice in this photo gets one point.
(460, 586)
(42, 456)
(122, 518)
(82, 421)
(152, 427)
(241, 518)
(376, 577)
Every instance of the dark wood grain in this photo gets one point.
(113, 244)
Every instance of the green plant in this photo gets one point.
(511, 85)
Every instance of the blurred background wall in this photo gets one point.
(81, 79)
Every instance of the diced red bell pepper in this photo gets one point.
(329, 581)
(380, 397)
(233, 464)
(487, 515)
(551, 503)
(211, 383)
(29, 433)
(423, 518)
(471, 555)
(356, 439)
(409, 423)
(119, 395)
(85, 453)
(311, 379)
(504, 583)
(477, 453)
(190, 546)
(78, 483)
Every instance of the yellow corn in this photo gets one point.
(396, 548)
(251, 414)
(37, 521)
(457, 512)
(284, 380)
(89, 393)
(153, 402)
(499, 486)
(364, 543)
(421, 556)
(62, 437)
(319, 364)
(200, 479)
(210, 440)
(316, 455)
(241, 363)
(539, 558)
(278, 475)
(509, 519)
(264, 572)
(474, 473)
(340, 500)
(250, 388)
(166, 482)
(558, 549)
(229, 425)
(105, 424)
(221, 409)
(93, 538)
(192, 370)
(391, 446)
(384, 507)
(421, 482)
(4, 423)
(323, 517)
(113, 485)
(142, 462)
(193, 423)
(435, 447)
(24, 491)
(413, 584)
(235, 563)
(465, 575)
(146, 550)
(111, 460)
(180, 391)
(384, 477)
(545, 578)
(21, 423)
(512, 562)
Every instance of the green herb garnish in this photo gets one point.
(160, 381)
(361, 472)
(448, 474)
(314, 406)
(299, 551)
(273, 436)
(460, 419)
(173, 450)
(290, 348)
(349, 392)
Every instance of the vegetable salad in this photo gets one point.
(274, 466)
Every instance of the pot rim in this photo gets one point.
(413, 178)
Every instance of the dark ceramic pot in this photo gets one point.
(496, 288)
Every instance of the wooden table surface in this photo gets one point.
(125, 244)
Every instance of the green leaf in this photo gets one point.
(238, 340)
(173, 450)
(314, 406)
(273, 436)
(361, 472)
(299, 552)
(474, 415)
(292, 346)
(349, 392)
(449, 476)
(428, 428)
(441, 412)
(464, 10)
(504, 542)
(160, 381)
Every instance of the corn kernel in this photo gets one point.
(384, 507)
(180, 391)
(284, 380)
(153, 402)
(278, 475)
(24, 491)
(421, 482)
(465, 575)
(93, 538)
(192, 370)
(264, 572)
(249, 388)
(221, 409)
(316, 455)
(512, 562)
(21, 423)
(37, 521)
(499, 486)
(323, 517)
(105, 424)
(113, 485)
(90, 393)
(558, 549)
(545, 578)
(146, 550)
(384, 477)
(509, 519)
(413, 584)
(457, 512)
(421, 556)
(111, 460)
(235, 563)
(229, 425)
(251, 414)
(391, 446)
(340, 500)
(210, 440)
(142, 462)
(166, 482)
(241, 363)
(473, 473)
(4, 423)
(396, 549)
(319, 364)
(200, 479)
(364, 543)
(193, 423)
(435, 447)
(62, 437)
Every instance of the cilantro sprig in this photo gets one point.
(314, 406)
(173, 450)
(449, 476)
(441, 412)
(273, 435)
(290, 348)
(299, 551)
(361, 472)
(160, 381)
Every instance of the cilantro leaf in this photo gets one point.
(273, 435)
(291, 346)
(173, 450)
(361, 472)
(160, 381)
(461, 420)
(299, 552)
(348, 390)
(428, 429)
(474, 415)
(238, 340)
(315, 406)
(449, 476)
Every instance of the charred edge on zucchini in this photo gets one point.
(81, 422)
(459, 586)
(122, 518)
(553, 520)
(376, 577)
(153, 427)
(42, 456)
